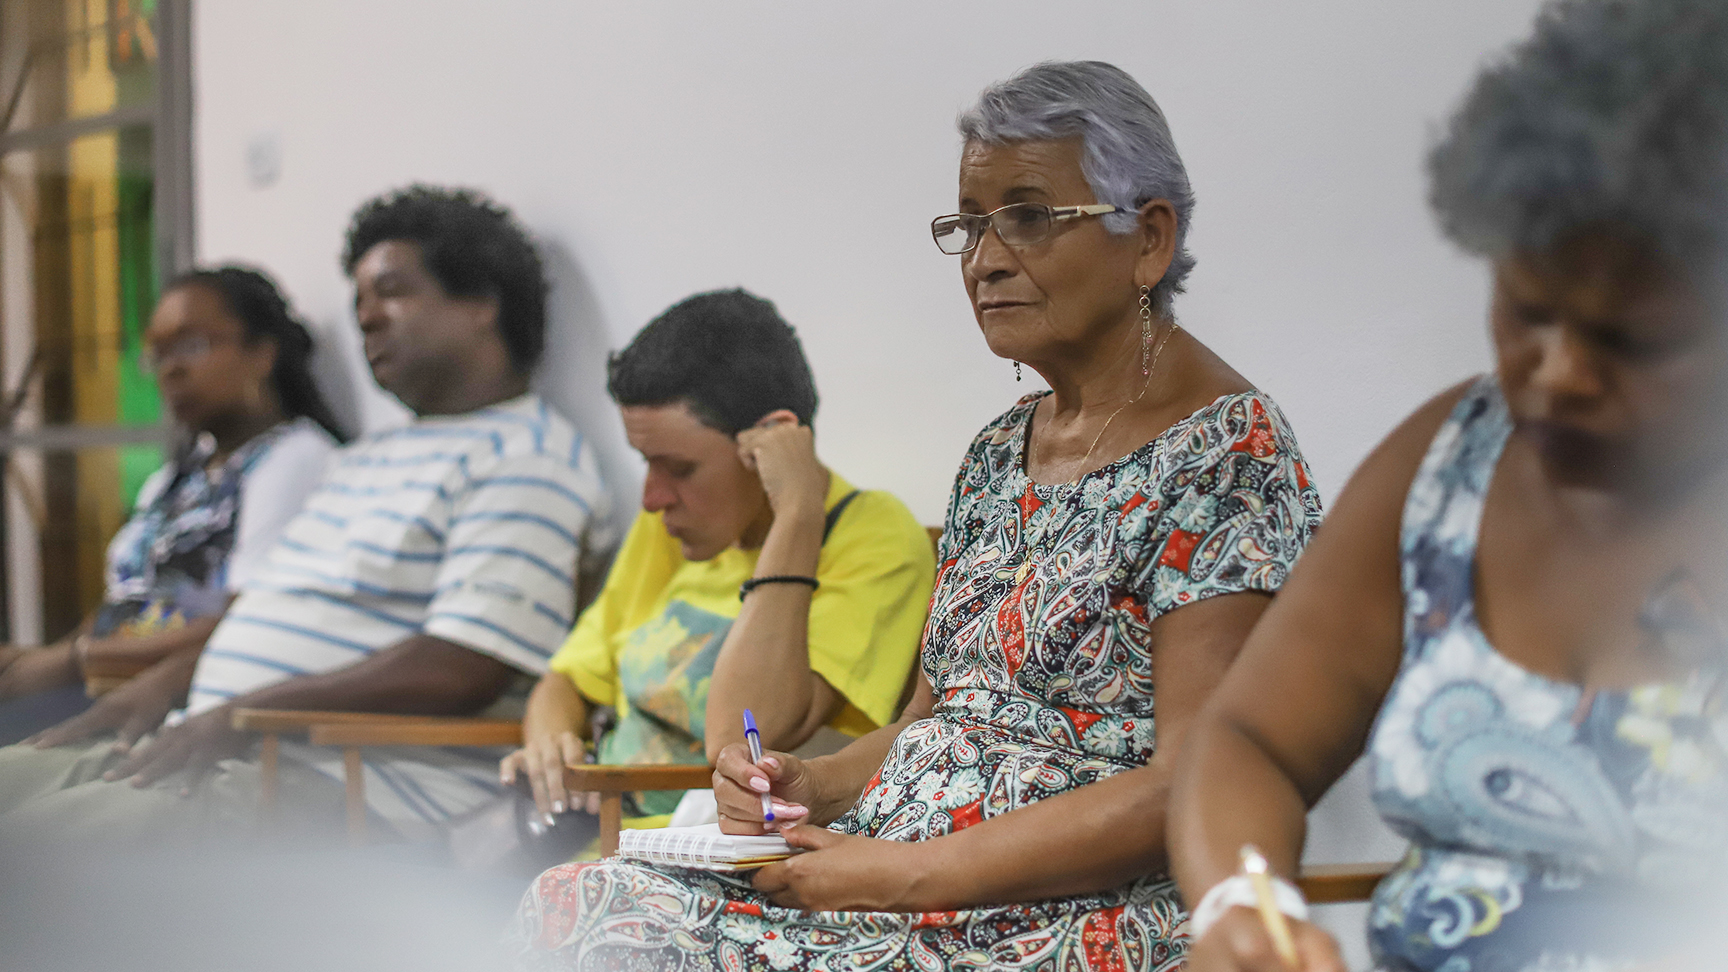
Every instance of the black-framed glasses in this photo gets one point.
(1020, 224)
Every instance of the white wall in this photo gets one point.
(801, 149)
(660, 148)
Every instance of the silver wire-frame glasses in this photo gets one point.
(1018, 224)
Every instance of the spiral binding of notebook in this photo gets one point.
(703, 847)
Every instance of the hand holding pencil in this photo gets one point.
(1261, 937)
(1277, 928)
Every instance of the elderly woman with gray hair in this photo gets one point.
(1517, 608)
(1118, 534)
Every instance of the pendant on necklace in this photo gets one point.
(1021, 574)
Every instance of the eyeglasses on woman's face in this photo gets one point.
(188, 348)
(1020, 224)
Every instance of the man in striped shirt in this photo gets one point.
(432, 570)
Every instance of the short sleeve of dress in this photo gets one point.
(1229, 509)
(985, 463)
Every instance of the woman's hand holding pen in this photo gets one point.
(739, 785)
(1239, 943)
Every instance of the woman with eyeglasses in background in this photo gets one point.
(1117, 535)
(232, 364)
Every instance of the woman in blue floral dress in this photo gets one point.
(1517, 607)
(1107, 544)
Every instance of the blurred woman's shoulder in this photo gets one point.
(302, 440)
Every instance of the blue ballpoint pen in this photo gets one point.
(754, 738)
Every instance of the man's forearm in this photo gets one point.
(555, 707)
(422, 675)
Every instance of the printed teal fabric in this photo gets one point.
(1039, 650)
(1549, 829)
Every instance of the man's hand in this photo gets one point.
(132, 710)
(843, 872)
(194, 746)
(783, 455)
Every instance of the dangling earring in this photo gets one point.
(1016, 371)
(1145, 330)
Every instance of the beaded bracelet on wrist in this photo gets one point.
(745, 588)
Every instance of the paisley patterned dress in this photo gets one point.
(1038, 649)
(1550, 828)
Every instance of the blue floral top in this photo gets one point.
(1549, 828)
(166, 564)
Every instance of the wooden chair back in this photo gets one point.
(1335, 883)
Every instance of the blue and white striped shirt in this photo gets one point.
(465, 527)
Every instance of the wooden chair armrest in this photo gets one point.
(420, 732)
(1330, 883)
(302, 720)
(96, 686)
(612, 782)
(590, 778)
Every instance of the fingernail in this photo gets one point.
(551, 821)
(557, 806)
(759, 784)
(771, 761)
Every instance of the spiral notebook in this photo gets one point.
(703, 847)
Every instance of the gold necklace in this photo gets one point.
(1058, 500)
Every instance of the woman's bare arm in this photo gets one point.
(29, 670)
(764, 663)
(553, 725)
(149, 649)
(1296, 708)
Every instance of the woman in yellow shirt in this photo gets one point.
(754, 577)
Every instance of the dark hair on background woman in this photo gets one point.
(727, 355)
(264, 314)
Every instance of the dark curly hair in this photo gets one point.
(727, 355)
(1612, 115)
(264, 315)
(472, 246)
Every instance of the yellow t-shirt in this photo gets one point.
(647, 644)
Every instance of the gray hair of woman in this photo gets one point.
(1612, 116)
(1129, 157)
